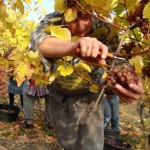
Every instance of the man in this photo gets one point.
(76, 127)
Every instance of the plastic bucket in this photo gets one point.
(114, 143)
(8, 113)
(112, 132)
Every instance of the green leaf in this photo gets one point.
(119, 9)
(146, 11)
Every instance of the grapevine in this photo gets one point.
(138, 19)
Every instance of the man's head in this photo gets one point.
(82, 25)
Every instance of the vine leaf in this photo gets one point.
(59, 32)
(137, 62)
(22, 71)
(60, 5)
(82, 65)
(104, 75)
(53, 76)
(146, 13)
(65, 70)
(94, 88)
(70, 15)
(55, 19)
(33, 55)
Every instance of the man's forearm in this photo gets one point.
(54, 47)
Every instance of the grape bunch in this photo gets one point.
(123, 75)
(137, 17)
(3, 85)
(142, 23)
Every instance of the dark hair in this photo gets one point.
(70, 3)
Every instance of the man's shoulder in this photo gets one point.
(51, 17)
(54, 14)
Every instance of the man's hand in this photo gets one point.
(89, 49)
(129, 95)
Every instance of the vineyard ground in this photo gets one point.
(12, 137)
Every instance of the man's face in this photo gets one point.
(82, 25)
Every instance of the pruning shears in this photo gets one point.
(109, 55)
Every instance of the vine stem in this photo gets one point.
(132, 54)
(112, 24)
(99, 99)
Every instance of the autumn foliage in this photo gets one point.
(129, 19)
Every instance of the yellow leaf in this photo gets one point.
(146, 12)
(47, 75)
(68, 58)
(130, 5)
(64, 71)
(55, 19)
(53, 76)
(61, 33)
(60, 5)
(84, 66)
(104, 75)
(94, 88)
(27, 1)
(22, 72)
(70, 15)
(20, 6)
(1, 26)
(33, 55)
(137, 62)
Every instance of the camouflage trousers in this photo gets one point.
(77, 127)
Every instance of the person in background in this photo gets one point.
(13, 90)
(32, 93)
(111, 110)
